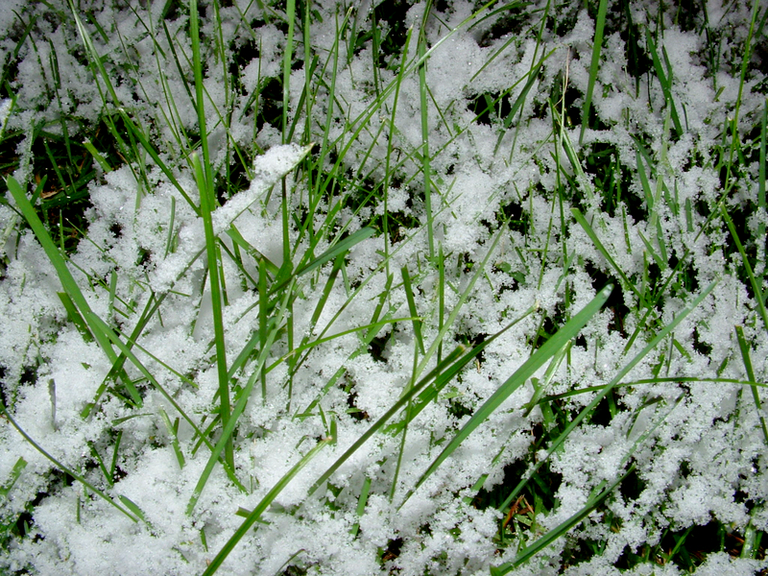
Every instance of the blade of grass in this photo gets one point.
(608, 388)
(290, 16)
(263, 314)
(529, 551)
(228, 429)
(744, 347)
(173, 432)
(594, 65)
(600, 248)
(262, 507)
(756, 288)
(546, 352)
(332, 252)
(666, 82)
(412, 307)
(206, 207)
(57, 260)
(441, 374)
(425, 157)
(61, 466)
(197, 67)
(133, 129)
(432, 392)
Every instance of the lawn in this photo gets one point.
(399, 287)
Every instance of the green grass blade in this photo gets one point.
(173, 433)
(57, 260)
(594, 66)
(332, 252)
(600, 248)
(756, 288)
(206, 207)
(75, 317)
(424, 108)
(228, 429)
(412, 308)
(431, 392)
(290, 15)
(262, 507)
(16, 471)
(530, 551)
(608, 388)
(452, 359)
(546, 352)
(744, 347)
(666, 83)
(263, 314)
(197, 67)
(61, 466)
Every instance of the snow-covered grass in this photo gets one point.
(383, 288)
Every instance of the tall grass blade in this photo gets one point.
(206, 208)
(666, 83)
(424, 106)
(600, 248)
(594, 65)
(6, 414)
(57, 260)
(412, 307)
(530, 551)
(245, 394)
(756, 288)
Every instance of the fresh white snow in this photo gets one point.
(698, 447)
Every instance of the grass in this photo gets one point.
(388, 321)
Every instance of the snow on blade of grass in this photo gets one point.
(319, 288)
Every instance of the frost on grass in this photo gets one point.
(530, 214)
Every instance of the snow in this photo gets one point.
(697, 446)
